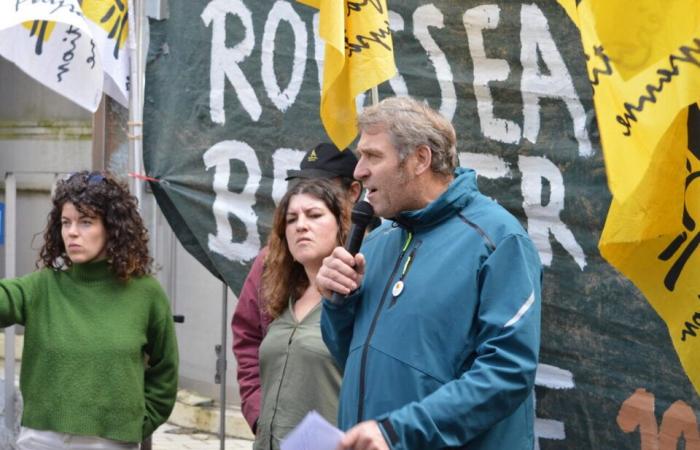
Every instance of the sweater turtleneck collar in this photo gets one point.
(91, 271)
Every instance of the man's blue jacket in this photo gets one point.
(449, 359)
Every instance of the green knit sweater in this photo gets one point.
(83, 366)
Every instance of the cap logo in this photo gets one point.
(312, 157)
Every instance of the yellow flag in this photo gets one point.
(359, 55)
(645, 73)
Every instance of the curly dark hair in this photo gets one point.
(100, 194)
(283, 277)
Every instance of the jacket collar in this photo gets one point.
(459, 194)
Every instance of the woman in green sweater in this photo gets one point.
(100, 361)
(297, 372)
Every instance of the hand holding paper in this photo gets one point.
(312, 433)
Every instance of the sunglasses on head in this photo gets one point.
(90, 178)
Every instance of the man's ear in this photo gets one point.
(354, 191)
(424, 157)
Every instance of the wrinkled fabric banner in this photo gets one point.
(232, 103)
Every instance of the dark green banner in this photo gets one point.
(232, 104)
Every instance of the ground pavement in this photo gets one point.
(166, 437)
(171, 437)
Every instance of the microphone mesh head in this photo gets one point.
(362, 213)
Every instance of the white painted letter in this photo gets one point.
(397, 83)
(543, 217)
(228, 203)
(319, 48)
(536, 40)
(476, 20)
(551, 377)
(283, 11)
(224, 61)
(429, 16)
(283, 160)
(485, 164)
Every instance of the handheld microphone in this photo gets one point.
(361, 216)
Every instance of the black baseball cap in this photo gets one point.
(325, 161)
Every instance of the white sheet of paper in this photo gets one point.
(312, 433)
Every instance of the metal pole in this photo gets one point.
(136, 104)
(10, 269)
(135, 133)
(220, 377)
(141, 76)
(172, 276)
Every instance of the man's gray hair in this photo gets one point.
(410, 124)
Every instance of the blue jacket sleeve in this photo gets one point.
(337, 323)
(502, 373)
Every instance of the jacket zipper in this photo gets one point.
(365, 349)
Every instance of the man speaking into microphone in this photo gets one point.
(438, 323)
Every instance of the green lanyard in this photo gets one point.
(399, 285)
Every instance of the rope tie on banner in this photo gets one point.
(132, 133)
(142, 177)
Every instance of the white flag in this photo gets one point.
(77, 51)
(108, 20)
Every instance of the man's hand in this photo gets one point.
(341, 272)
(364, 436)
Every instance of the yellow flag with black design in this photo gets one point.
(645, 74)
(359, 55)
